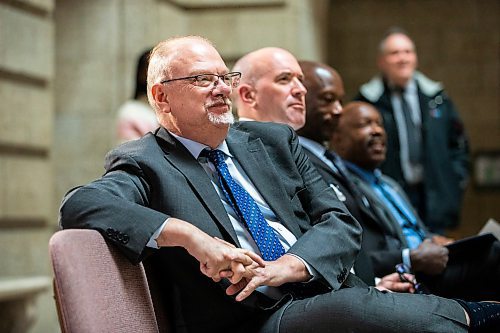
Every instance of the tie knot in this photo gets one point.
(378, 176)
(214, 155)
(399, 90)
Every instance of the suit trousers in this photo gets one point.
(370, 310)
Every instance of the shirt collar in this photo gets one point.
(242, 119)
(314, 147)
(195, 148)
(410, 88)
(369, 176)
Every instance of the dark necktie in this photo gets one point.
(247, 210)
(413, 132)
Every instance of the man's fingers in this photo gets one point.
(255, 257)
(240, 256)
(226, 273)
(401, 287)
(235, 288)
(249, 288)
(238, 270)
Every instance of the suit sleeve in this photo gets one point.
(117, 206)
(458, 145)
(333, 238)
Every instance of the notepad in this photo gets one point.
(492, 227)
(471, 245)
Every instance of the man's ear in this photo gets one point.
(160, 97)
(247, 94)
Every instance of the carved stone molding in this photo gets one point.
(190, 5)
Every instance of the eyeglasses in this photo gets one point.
(401, 269)
(231, 79)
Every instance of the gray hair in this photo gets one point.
(160, 60)
(390, 32)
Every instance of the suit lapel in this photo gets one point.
(183, 161)
(345, 182)
(253, 158)
(385, 219)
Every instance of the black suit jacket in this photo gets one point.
(471, 273)
(360, 207)
(151, 179)
(386, 250)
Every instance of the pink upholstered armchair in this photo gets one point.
(97, 289)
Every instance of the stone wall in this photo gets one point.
(26, 159)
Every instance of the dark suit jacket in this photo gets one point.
(151, 179)
(385, 249)
(472, 274)
(360, 207)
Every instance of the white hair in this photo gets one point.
(159, 68)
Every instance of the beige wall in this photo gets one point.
(26, 148)
(458, 43)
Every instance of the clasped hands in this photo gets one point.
(246, 270)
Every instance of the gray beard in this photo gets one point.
(221, 119)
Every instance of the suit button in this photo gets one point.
(125, 239)
(109, 232)
(339, 278)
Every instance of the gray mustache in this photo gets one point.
(225, 101)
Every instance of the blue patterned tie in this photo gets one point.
(247, 210)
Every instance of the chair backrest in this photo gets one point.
(96, 288)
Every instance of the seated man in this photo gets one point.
(270, 90)
(359, 138)
(325, 91)
(232, 217)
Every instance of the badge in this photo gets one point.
(339, 194)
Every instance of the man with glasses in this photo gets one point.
(233, 217)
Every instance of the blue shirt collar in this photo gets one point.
(314, 147)
(367, 175)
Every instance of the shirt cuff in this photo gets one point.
(313, 272)
(152, 241)
(405, 254)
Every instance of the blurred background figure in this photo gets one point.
(135, 116)
(427, 149)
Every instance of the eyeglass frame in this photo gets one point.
(401, 269)
(219, 77)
